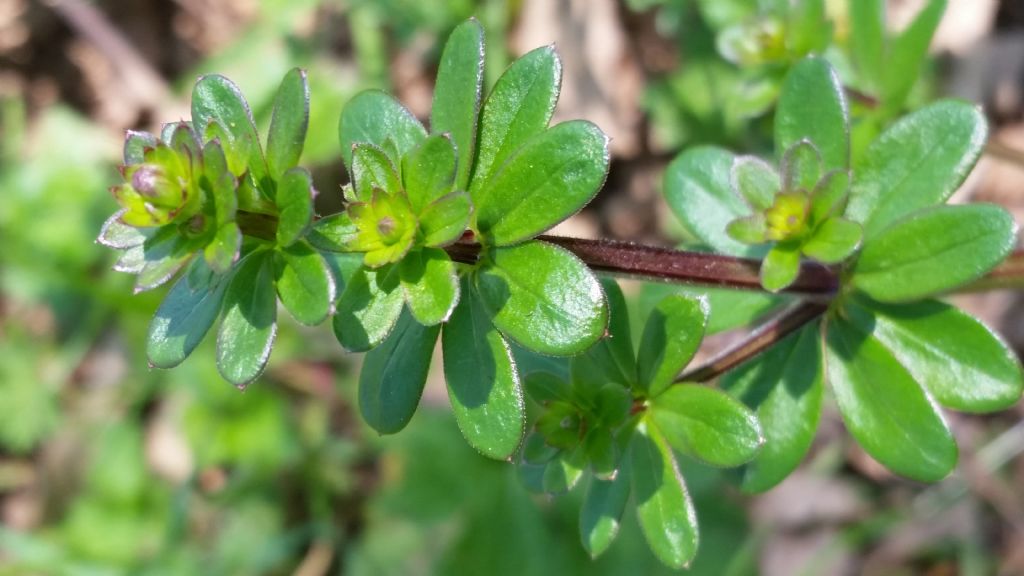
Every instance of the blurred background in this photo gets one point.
(107, 467)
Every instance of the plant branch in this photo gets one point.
(762, 338)
(644, 262)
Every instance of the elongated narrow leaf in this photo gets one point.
(430, 285)
(602, 509)
(295, 202)
(217, 99)
(118, 235)
(368, 308)
(460, 78)
(933, 251)
(393, 374)
(667, 517)
(163, 256)
(543, 297)
(707, 424)
(519, 106)
(304, 283)
(907, 52)
(483, 384)
(444, 221)
(812, 106)
(551, 177)
(182, 320)
(888, 413)
(612, 359)
(247, 332)
(868, 39)
(698, 190)
(784, 386)
(288, 124)
(958, 359)
(673, 332)
(918, 162)
(375, 117)
(429, 171)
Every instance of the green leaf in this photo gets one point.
(223, 250)
(368, 308)
(375, 117)
(182, 320)
(163, 256)
(135, 144)
(295, 202)
(483, 384)
(612, 359)
(749, 229)
(830, 195)
(780, 267)
(519, 106)
(784, 386)
(812, 106)
(755, 181)
(551, 177)
(960, 361)
(707, 424)
(444, 220)
(933, 251)
(460, 77)
(801, 167)
(868, 39)
(215, 99)
(907, 52)
(372, 169)
(430, 285)
(288, 124)
(247, 331)
(888, 413)
(673, 332)
(563, 472)
(542, 297)
(393, 374)
(429, 171)
(698, 190)
(833, 241)
(333, 233)
(304, 283)
(601, 511)
(667, 517)
(918, 162)
(120, 236)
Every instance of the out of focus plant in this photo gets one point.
(440, 238)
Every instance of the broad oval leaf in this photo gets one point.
(784, 386)
(460, 77)
(918, 162)
(707, 424)
(430, 284)
(519, 106)
(288, 124)
(368, 308)
(429, 171)
(393, 374)
(674, 331)
(375, 117)
(698, 190)
(371, 170)
(183, 319)
(884, 408)
(217, 99)
(304, 283)
(295, 205)
(444, 220)
(543, 297)
(551, 177)
(247, 331)
(333, 233)
(812, 106)
(602, 509)
(483, 383)
(667, 517)
(958, 359)
(933, 251)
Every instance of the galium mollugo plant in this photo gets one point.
(439, 240)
